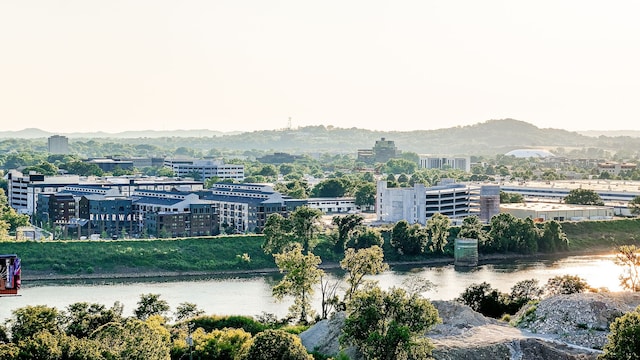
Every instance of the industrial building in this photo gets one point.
(558, 212)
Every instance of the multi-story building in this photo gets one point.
(245, 207)
(445, 162)
(382, 151)
(24, 189)
(614, 168)
(58, 144)
(205, 169)
(419, 203)
(110, 164)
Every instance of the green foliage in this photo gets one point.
(176, 255)
(438, 227)
(187, 310)
(583, 197)
(365, 237)
(134, 339)
(400, 166)
(623, 342)
(28, 321)
(301, 273)
(389, 324)
(553, 238)
(225, 344)
(276, 344)
(357, 264)
(346, 225)
(484, 299)
(509, 233)
(215, 322)
(510, 198)
(628, 257)
(150, 305)
(81, 319)
(365, 194)
(565, 284)
(331, 188)
(409, 240)
(472, 228)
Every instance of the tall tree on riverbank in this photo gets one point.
(359, 263)
(301, 274)
(302, 226)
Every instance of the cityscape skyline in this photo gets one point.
(87, 65)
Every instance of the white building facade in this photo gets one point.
(419, 203)
(445, 162)
(206, 169)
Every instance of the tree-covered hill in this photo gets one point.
(487, 138)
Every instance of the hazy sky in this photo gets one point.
(114, 65)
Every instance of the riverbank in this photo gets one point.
(243, 255)
(132, 274)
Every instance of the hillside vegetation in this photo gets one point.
(487, 138)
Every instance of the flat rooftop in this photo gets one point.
(595, 185)
(551, 207)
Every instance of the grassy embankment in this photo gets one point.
(225, 253)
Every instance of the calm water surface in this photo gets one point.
(252, 295)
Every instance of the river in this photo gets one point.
(251, 295)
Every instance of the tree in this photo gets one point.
(150, 305)
(484, 299)
(225, 344)
(305, 226)
(472, 228)
(30, 320)
(523, 292)
(82, 318)
(553, 238)
(365, 237)
(330, 188)
(634, 205)
(359, 263)
(409, 240)
(565, 284)
(134, 339)
(389, 324)
(623, 342)
(583, 197)
(187, 310)
(400, 166)
(628, 257)
(346, 225)
(276, 344)
(301, 273)
(365, 194)
(268, 170)
(277, 234)
(509, 198)
(438, 227)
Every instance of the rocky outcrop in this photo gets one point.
(579, 319)
(564, 327)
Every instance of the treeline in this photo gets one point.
(91, 331)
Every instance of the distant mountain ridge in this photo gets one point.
(486, 138)
(33, 133)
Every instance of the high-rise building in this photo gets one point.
(58, 144)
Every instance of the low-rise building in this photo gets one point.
(206, 169)
(558, 212)
(445, 162)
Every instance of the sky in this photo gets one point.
(242, 65)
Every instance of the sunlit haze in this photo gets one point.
(88, 65)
